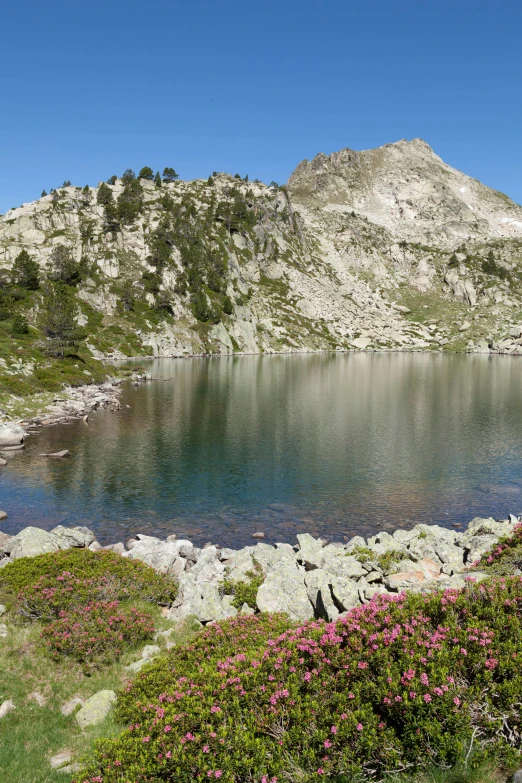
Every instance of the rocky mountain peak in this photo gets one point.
(409, 190)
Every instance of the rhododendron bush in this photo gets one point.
(43, 586)
(97, 631)
(398, 683)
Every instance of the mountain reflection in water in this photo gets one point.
(331, 444)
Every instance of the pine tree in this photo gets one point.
(64, 268)
(157, 179)
(25, 272)
(228, 306)
(169, 175)
(44, 193)
(112, 180)
(146, 173)
(57, 321)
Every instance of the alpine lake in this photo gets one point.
(216, 449)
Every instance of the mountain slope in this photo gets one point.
(388, 248)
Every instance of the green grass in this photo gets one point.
(32, 734)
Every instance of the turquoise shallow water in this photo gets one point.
(332, 444)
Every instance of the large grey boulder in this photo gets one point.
(477, 546)
(284, 590)
(310, 552)
(345, 593)
(484, 527)
(11, 434)
(95, 709)
(160, 555)
(73, 536)
(30, 542)
(344, 566)
(201, 600)
(318, 589)
(208, 567)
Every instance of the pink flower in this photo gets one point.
(344, 716)
(320, 771)
(359, 727)
(218, 773)
(456, 701)
(334, 729)
(145, 739)
(327, 744)
(427, 698)
(206, 748)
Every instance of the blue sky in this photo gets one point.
(89, 89)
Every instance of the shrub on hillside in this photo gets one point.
(505, 557)
(399, 683)
(97, 632)
(47, 584)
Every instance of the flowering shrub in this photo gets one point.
(404, 680)
(96, 632)
(505, 557)
(47, 584)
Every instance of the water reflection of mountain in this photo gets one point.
(336, 441)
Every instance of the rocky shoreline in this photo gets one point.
(313, 579)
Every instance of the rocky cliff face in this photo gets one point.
(387, 248)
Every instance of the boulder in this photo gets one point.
(32, 541)
(6, 707)
(3, 630)
(3, 462)
(199, 599)
(343, 566)
(73, 536)
(3, 515)
(160, 555)
(38, 698)
(318, 589)
(95, 709)
(208, 567)
(403, 580)
(477, 546)
(284, 590)
(11, 434)
(345, 593)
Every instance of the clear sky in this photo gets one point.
(91, 88)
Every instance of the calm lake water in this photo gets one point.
(334, 445)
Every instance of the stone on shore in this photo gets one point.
(95, 709)
(3, 515)
(284, 590)
(73, 536)
(60, 759)
(11, 434)
(30, 542)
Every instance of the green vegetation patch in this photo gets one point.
(504, 558)
(43, 586)
(397, 684)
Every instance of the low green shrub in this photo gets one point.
(401, 683)
(97, 632)
(504, 558)
(244, 592)
(43, 586)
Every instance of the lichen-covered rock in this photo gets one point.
(32, 541)
(95, 709)
(284, 590)
(319, 592)
(73, 536)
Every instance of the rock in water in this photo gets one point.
(3, 515)
(58, 454)
(11, 434)
(95, 709)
